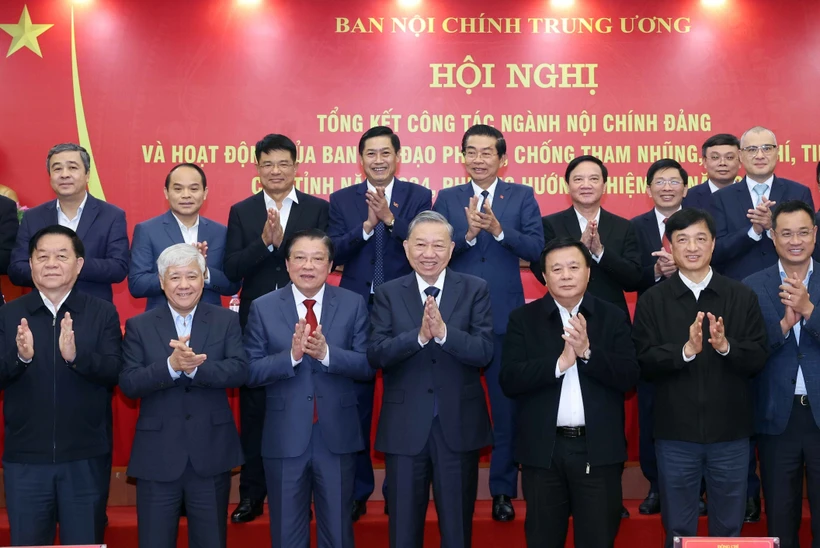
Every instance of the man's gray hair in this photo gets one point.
(430, 217)
(179, 255)
(69, 147)
(757, 129)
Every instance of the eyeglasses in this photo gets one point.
(484, 155)
(765, 149)
(283, 166)
(728, 158)
(674, 183)
(787, 234)
(300, 260)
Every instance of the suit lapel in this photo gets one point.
(203, 233)
(500, 200)
(200, 329)
(166, 330)
(773, 289)
(570, 220)
(295, 216)
(258, 216)
(52, 219)
(466, 192)
(92, 208)
(412, 297)
(361, 203)
(652, 228)
(742, 197)
(777, 191)
(329, 307)
(450, 295)
(169, 223)
(399, 197)
(288, 306)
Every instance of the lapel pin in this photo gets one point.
(395, 204)
(501, 197)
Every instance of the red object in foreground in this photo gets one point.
(726, 542)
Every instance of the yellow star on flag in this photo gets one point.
(24, 34)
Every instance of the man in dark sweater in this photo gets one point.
(700, 337)
(59, 358)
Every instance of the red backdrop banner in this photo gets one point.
(145, 85)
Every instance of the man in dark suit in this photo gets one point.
(186, 189)
(817, 217)
(61, 358)
(306, 343)
(8, 233)
(786, 420)
(744, 245)
(100, 225)
(720, 157)
(258, 227)
(610, 239)
(431, 337)
(568, 360)
(368, 223)
(700, 338)
(496, 225)
(186, 441)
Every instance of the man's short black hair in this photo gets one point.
(380, 131)
(666, 163)
(76, 242)
(790, 206)
(585, 158)
(274, 141)
(561, 243)
(192, 166)
(687, 217)
(719, 140)
(486, 131)
(311, 234)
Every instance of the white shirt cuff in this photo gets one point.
(442, 340)
(22, 360)
(208, 277)
(472, 242)
(683, 353)
(192, 374)
(724, 353)
(270, 248)
(499, 237)
(293, 362)
(597, 258)
(421, 344)
(174, 374)
(326, 361)
(754, 235)
(366, 235)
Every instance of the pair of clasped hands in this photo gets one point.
(306, 342)
(576, 342)
(717, 335)
(796, 300)
(25, 340)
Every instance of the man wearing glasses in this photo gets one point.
(721, 160)
(258, 228)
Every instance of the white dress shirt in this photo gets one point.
(662, 225)
(477, 190)
(440, 285)
(571, 404)
(582, 222)
(751, 185)
(712, 186)
(183, 327)
(301, 311)
(284, 213)
(696, 289)
(189, 235)
(388, 195)
(63, 220)
(800, 384)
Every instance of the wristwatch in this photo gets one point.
(390, 224)
(586, 355)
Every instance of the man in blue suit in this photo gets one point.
(186, 441)
(744, 245)
(496, 224)
(786, 417)
(186, 189)
(100, 225)
(431, 337)
(306, 344)
(368, 223)
(720, 156)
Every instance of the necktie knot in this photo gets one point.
(665, 219)
(485, 193)
(309, 304)
(433, 291)
(760, 189)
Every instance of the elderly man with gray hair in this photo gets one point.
(179, 359)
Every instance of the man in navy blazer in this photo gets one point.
(720, 157)
(186, 442)
(186, 189)
(431, 337)
(496, 224)
(100, 225)
(306, 344)
(786, 418)
(368, 223)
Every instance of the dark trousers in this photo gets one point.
(752, 481)
(782, 459)
(565, 489)
(38, 496)
(503, 468)
(681, 465)
(454, 476)
(365, 482)
(328, 477)
(251, 418)
(206, 505)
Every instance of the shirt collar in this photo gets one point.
(782, 272)
(48, 303)
(299, 298)
(270, 204)
(182, 225)
(388, 190)
(439, 282)
(660, 216)
(750, 184)
(692, 285)
(477, 190)
(569, 313)
(79, 209)
(176, 315)
(583, 220)
(712, 186)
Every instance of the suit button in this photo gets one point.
(279, 269)
(483, 259)
(794, 382)
(310, 398)
(434, 361)
(187, 417)
(372, 261)
(800, 356)
(429, 390)
(187, 388)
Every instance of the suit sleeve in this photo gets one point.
(141, 377)
(773, 332)
(728, 245)
(657, 358)
(103, 363)
(522, 373)
(323, 219)
(113, 267)
(749, 350)
(529, 241)
(475, 346)
(353, 362)
(19, 268)
(264, 368)
(459, 237)
(624, 267)
(386, 350)
(143, 277)
(8, 233)
(423, 202)
(647, 260)
(10, 366)
(612, 361)
(241, 258)
(232, 370)
(347, 240)
(219, 282)
(535, 266)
